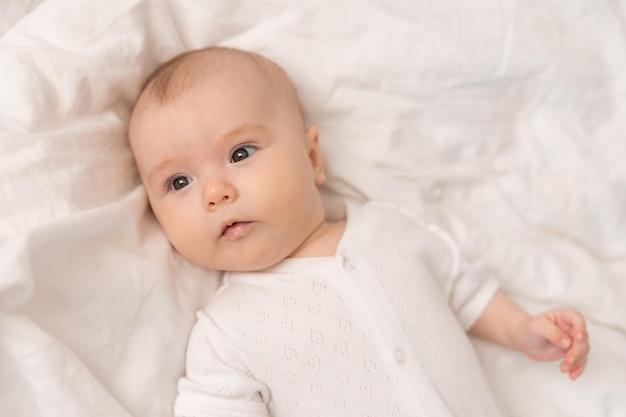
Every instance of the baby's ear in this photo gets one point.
(317, 163)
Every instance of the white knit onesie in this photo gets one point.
(377, 330)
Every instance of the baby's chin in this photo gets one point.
(242, 264)
(246, 254)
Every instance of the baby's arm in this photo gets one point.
(547, 336)
(216, 381)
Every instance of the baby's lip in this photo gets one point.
(234, 228)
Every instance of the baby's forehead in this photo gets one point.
(217, 67)
(212, 65)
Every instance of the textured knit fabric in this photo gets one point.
(377, 330)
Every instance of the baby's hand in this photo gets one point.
(557, 334)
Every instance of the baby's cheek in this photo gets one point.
(184, 239)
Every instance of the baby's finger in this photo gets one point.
(577, 354)
(576, 358)
(546, 328)
(580, 345)
(576, 371)
(571, 361)
(571, 321)
(558, 337)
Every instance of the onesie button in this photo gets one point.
(350, 264)
(399, 355)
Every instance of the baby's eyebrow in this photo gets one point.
(224, 142)
(160, 167)
(241, 129)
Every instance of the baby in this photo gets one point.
(360, 317)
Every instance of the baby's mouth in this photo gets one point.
(235, 229)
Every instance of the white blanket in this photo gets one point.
(504, 121)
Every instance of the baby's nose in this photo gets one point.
(218, 192)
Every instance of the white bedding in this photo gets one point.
(505, 121)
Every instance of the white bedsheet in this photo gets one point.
(505, 121)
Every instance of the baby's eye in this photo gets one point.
(242, 153)
(178, 183)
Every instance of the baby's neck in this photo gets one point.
(322, 242)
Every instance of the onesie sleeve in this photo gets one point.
(217, 383)
(468, 287)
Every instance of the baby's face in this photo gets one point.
(231, 173)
